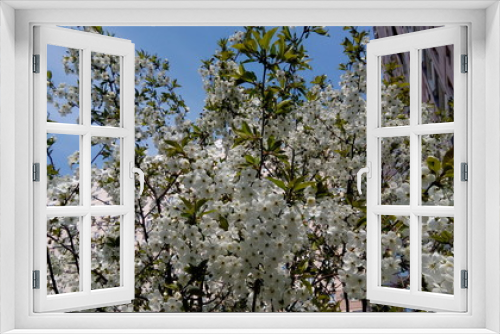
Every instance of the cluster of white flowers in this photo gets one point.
(63, 255)
(394, 111)
(437, 254)
(395, 242)
(105, 172)
(105, 252)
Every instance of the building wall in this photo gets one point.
(437, 67)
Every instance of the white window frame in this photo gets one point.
(483, 21)
(413, 43)
(86, 43)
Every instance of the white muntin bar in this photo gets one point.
(414, 168)
(422, 129)
(86, 170)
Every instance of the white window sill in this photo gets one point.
(250, 331)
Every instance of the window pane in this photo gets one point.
(395, 170)
(437, 84)
(63, 246)
(395, 89)
(105, 171)
(437, 254)
(63, 89)
(395, 246)
(105, 89)
(63, 170)
(105, 252)
(437, 169)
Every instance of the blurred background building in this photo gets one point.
(437, 69)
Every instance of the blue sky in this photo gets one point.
(185, 47)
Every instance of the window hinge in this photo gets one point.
(36, 63)
(36, 279)
(36, 172)
(464, 171)
(464, 279)
(465, 64)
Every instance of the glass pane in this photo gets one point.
(395, 89)
(395, 241)
(105, 171)
(63, 170)
(395, 171)
(63, 246)
(437, 169)
(105, 252)
(63, 88)
(437, 84)
(437, 254)
(105, 89)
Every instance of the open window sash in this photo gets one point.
(57, 290)
(420, 291)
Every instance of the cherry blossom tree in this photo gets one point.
(252, 207)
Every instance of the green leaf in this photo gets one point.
(320, 31)
(266, 39)
(449, 174)
(172, 286)
(308, 285)
(303, 266)
(281, 48)
(444, 237)
(303, 185)
(238, 141)
(270, 142)
(255, 34)
(274, 145)
(448, 160)
(206, 213)
(200, 203)
(187, 203)
(284, 106)
(273, 52)
(252, 45)
(250, 159)
(173, 143)
(286, 32)
(434, 164)
(248, 76)
(290, 55)
(240, 46)
(277, 182)
(319, 80)
(246, 128)
(223, 223)
(225, 55)
(361, 222)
